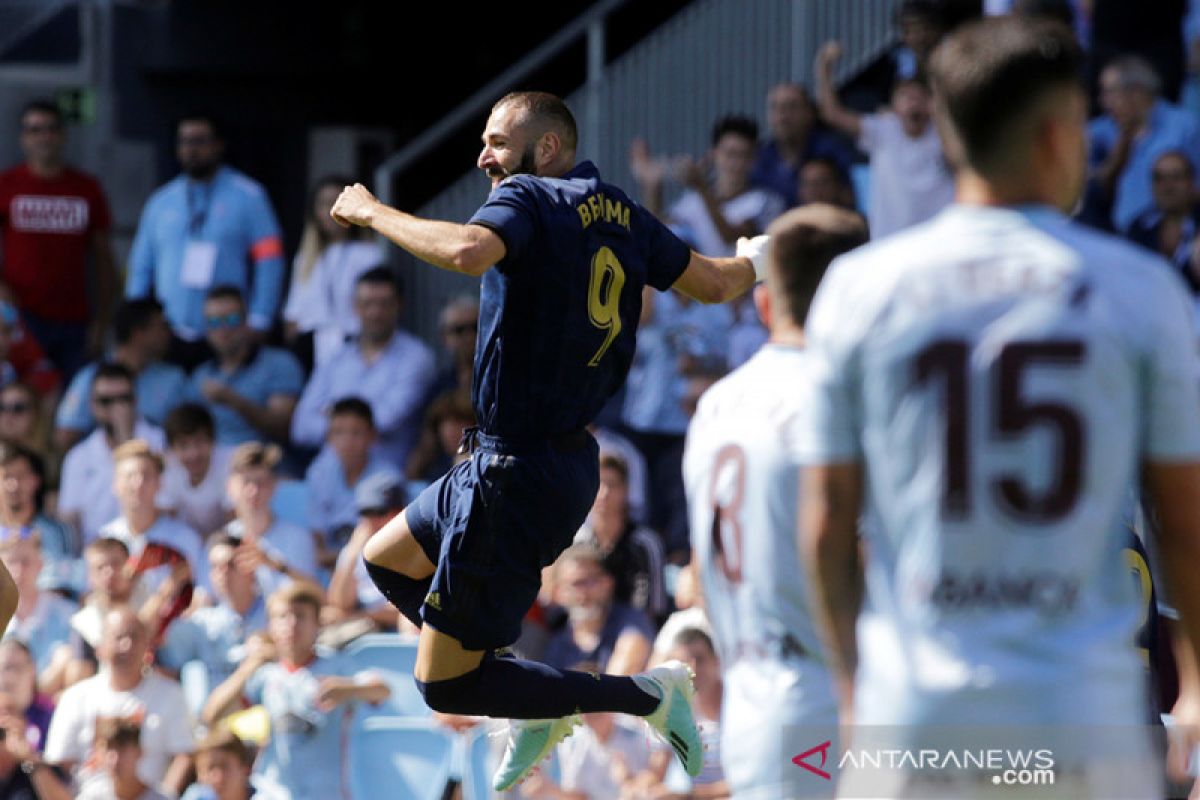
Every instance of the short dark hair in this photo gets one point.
(803, 243)
(613, 461)
(692, 635)
(189, 419)
(382, 276)
(252, 455)
(113, 733)
(134, 315)
(548, 110)
(205, 116)
(353, 407)
(989, 75)
(223, 740)
(112, 370)
(835, 168)
(736, 124)
(44, 106)
(226, 291)
(1179, 154)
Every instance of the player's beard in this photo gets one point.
(526, 166)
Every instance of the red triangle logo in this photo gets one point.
(823, 749)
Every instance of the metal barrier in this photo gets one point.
(715, 57)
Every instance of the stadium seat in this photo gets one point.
(392, 757)
(393, 658)
(290, 502)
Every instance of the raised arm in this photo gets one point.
(719, 280)
(832, 110)
(469, 249)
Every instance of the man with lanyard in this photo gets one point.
(558, 315)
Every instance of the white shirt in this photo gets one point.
(586, 764)
(910, 181)
(690, 220)
(324, 303)
(204, 507)
(86, 487)
(1001, 374)
(157, 701)
(166, 531)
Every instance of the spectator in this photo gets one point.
(378, 498)
(632, 554)
(124, 688)
(331, 481)
(910, 181)
(606, 636)
(609, 441)
(27, 356)
(223, 764)
(197, 470)
(53, 217)
(1152, 32)
(320, 303)
(22, 422)
(796, 139)
(119, 749)
(23, 774)
(279, 551)
(21, 515)
(250, 389)
(823, 180)
(142, 338)
(216, 635)
(1171, 226)
(109, 586)
(1137, 127)
(228, 236)
(459, 327)
(449, 415)
(86, 500)
(710, 216)
(389, 367)
(43, 619)
(165, 554)
(922, 25)
(305, 695)
(9, 371)
(19, 694)
(602, 759)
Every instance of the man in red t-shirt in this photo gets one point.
(52, 217)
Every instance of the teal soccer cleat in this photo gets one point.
(530, 741)
(673, 720)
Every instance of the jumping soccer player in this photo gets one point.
(994, 381)
(558, 315)
(742, 481)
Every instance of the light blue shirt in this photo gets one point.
(286, 542)
(160, 387)
(232, 213)
(395, 386)
(330, 499)
(270, 372)
(677, 329)
(215, 635)
(1169, 128)
(304, 753)
(45, 629)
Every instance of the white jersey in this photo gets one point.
(1001, 374)
(741, 476)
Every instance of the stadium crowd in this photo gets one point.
(190, 468)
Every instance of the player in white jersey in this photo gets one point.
(988, 386)
(742, 482)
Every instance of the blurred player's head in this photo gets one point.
(803, 243)
(137, 475)
(293, 620)
(734, 145)
(378, 297)
(223, 764)
(789, 112)
(528, 133)
(199, 145)
(1173, 181)
(913, 105)
(1011, 108)
(43, 134)
(1129, 86)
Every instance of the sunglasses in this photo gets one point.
(14, 408)
(216, 322)
(106, 400)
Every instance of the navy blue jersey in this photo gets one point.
(558, 314)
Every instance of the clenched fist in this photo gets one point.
(354, 206)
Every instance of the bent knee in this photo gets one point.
(452, 696)
(394, 547)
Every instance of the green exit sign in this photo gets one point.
(77, 105)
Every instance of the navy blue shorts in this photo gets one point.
(491, 524)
